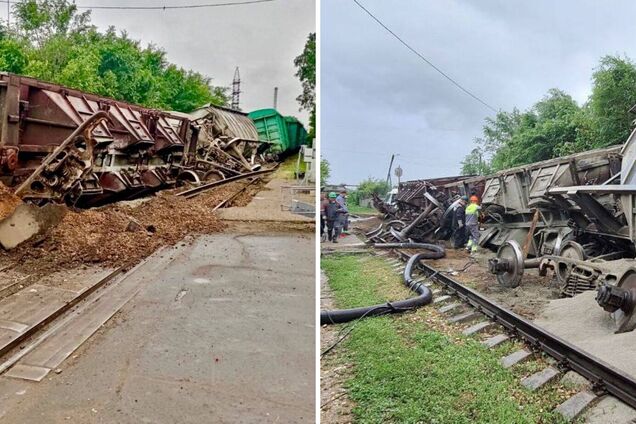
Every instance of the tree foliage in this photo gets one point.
(325, 171)
(367, 188)
(556, 125)
(474, 164)
(51, 40)
(306, 71)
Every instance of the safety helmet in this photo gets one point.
(465, 198)
(474, 199)
(332, 195)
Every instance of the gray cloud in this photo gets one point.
(378, 98)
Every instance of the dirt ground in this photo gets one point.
(221, 331)
(116, 235)
(8, 201)
(267, 206)
(123, 233)
(528, 300)
(224, 289)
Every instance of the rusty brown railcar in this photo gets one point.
(133, 150)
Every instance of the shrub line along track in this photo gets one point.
(604, 377)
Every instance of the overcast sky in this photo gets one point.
(261, 39)
(378, 98)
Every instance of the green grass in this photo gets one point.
(404, 371)
(355, 209)
(287, 169)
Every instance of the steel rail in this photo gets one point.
(603, 376)
(21, 337)
(235, 195)
(197, 190)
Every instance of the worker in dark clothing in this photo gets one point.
(332, 213)
(323, 216)
(459, 224)
(343, 219)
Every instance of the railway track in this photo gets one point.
(600, 382)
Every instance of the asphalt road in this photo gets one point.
(224, 332)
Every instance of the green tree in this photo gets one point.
(306, 72)
(325, 171)
(517, 138)
(613, 95)
(367, 188)
(475, 163)
(13, 57)
(51, 40)
(557, 126)
(40, 20)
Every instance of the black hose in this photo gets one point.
(425, 296)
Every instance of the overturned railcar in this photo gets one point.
(531, 197)
(222, 143)
(63, 145)
(583, 226)
(59, 144)
(575, 215)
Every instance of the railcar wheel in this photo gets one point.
(213, 175)
(625, 317)
(188, 177)
(511, 255)
(569, 250)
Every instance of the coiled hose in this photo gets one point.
(425, 296)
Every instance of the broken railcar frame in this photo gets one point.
(134, 150)
(595, 242)
(422, 207)
(130, 152)
(574, 214)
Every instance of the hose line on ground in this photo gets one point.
(425, 296)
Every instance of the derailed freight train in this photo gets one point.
(62, 145)
(422, 209)
(574, 215)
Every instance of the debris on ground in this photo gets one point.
(8, 201)
(123, 233)
(528, 300)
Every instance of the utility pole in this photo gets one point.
(388, 175)
(236, 89)
(275, 97)
(8, 14)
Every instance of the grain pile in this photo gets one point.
(122, 234)
(8, 201)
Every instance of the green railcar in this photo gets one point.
(296, 131)
(287, 133)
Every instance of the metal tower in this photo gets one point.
(236, 89)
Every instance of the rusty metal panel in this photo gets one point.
(134, 150)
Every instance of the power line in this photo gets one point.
(189, 6)
(458, 85)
